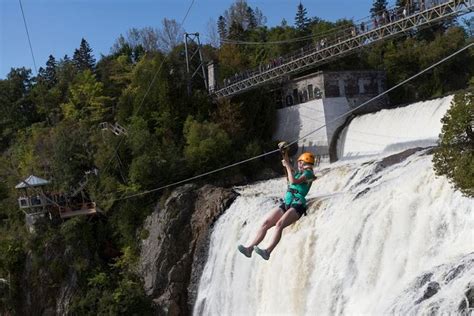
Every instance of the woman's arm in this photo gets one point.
(297, 181)
(291, 176)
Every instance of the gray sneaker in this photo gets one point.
(262, 252)
(245, 251)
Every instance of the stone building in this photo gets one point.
(316, 107)
(356, 86)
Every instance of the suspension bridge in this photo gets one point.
(397, 22)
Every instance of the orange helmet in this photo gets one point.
(307, 158)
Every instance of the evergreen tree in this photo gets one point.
(251, 19)
(83, 58)
(454, 158)
(50, 71)
(40, 78)
(301, 20)
(16, 107)
(378, 7)
(260, 19)
(222, 27)
(236, 31)
(66, 72)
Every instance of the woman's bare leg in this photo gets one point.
(268, 223)
(287, 219)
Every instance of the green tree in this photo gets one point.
(236, 31)
(231, 60)
(86, 101)
(66, 73)
(114, 72)
(207, 145)
(251, 19)
(48, 76)
(240, 17)
(83, 58)
(455, 156)
(148, 90)
(144, 40)
(16, 105)
(222, 27)
(12, 258)
(378, 7)
(72, 153)
(301, 19)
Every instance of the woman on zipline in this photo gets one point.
(290, 211)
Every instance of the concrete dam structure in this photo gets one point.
(323, 99)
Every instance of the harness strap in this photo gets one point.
(293, 191)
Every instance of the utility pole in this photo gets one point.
(192, 47)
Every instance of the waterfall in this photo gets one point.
(394, 130)
(382, 236)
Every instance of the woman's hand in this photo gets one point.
(285, 163)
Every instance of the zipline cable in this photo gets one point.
(296, 140)
(28, 35)
(198, 176)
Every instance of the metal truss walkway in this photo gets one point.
(345, 42)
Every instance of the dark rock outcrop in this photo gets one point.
(467, 302)
(361, 193)
(175, 249)
(396, 158)
(431, 289)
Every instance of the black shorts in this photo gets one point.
(299, 208)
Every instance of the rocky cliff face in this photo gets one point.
(174, 252)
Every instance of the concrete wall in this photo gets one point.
(300, 121)
(353, 83)
(212, 76)
(303, 90)
(318, 99)
(357, 86)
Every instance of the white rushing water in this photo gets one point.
(379, 238)
(417, 125)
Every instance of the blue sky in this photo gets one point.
(57, 26)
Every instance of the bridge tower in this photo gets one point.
(192, 47)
